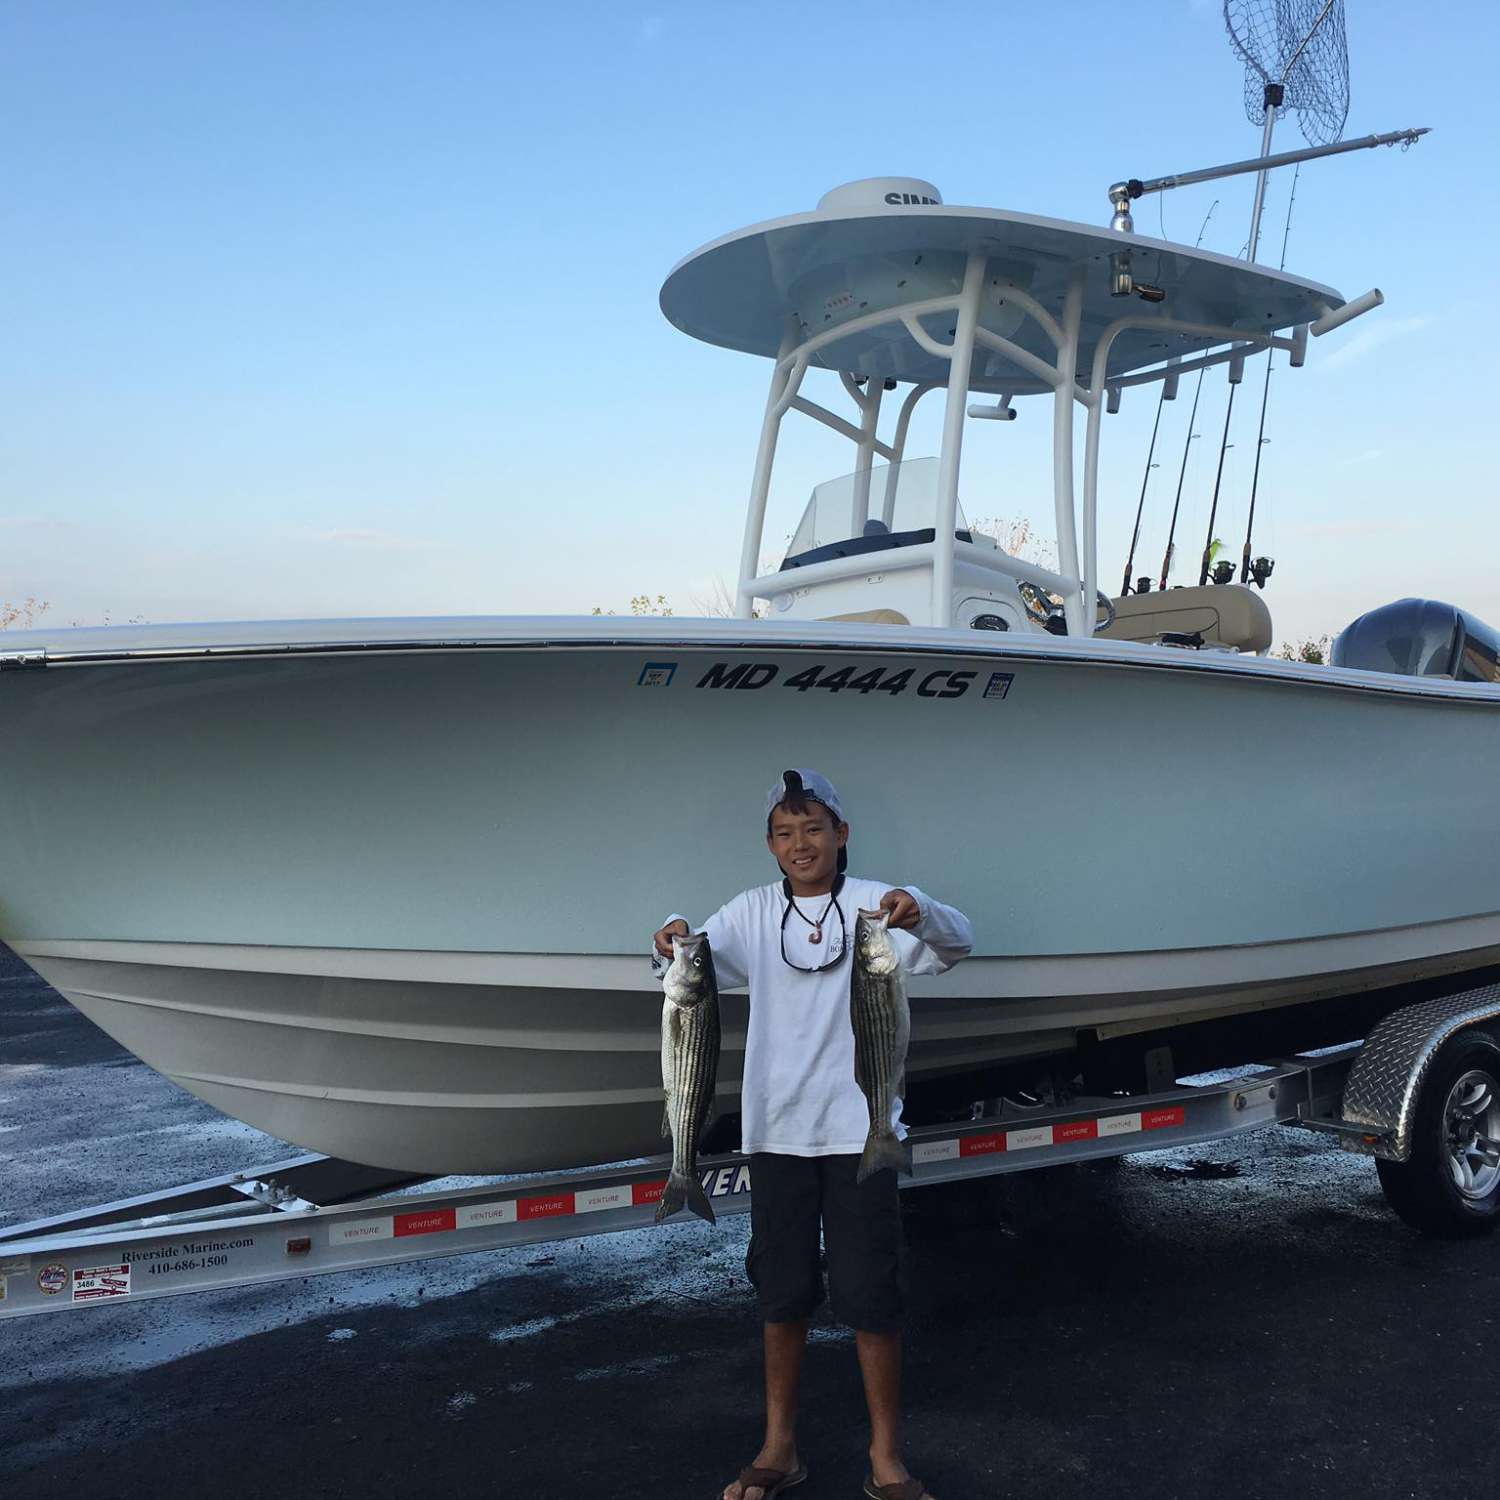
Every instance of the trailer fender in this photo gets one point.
(1386, 1078)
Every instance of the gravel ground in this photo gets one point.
(1131, 1330)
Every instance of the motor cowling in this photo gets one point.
(1420, 638)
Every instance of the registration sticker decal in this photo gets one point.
(999, 684)
(657, 674)
(99, 1283)
(52, 1279)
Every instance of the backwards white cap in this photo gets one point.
(805, 784)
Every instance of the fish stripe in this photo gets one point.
(881, 1022)
(694, 1061)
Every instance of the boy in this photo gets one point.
(804, 1120)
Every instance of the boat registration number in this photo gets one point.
(746, 676)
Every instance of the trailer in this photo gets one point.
(1421, 1095)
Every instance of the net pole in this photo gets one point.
(1265, 172)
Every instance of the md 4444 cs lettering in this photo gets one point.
(939, 682)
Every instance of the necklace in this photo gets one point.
(816, 935)
(840, 947)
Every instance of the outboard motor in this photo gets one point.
(1421, 638)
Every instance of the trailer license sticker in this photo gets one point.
(98, 1283)
(52, 1279)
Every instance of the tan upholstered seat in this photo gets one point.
(873, 617)
(1225, 614)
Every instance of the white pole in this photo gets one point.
(1260, 181)
(760, 482)
(953, 436)
(869, 411)
(1078, 610)
(898, 449)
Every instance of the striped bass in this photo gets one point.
(882, 1029)
(689, 1068)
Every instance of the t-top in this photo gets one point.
(799, 1097)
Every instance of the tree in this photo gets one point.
(1315, 650)
(1017, 536)
(642, 604)
(24, 614)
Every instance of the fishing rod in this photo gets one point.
(1263, 573)
(1166, 562)
(1224, 446)
(1135, 536)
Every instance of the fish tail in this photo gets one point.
(684, 1192)
(883, 1150)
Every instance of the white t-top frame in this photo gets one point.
(1076, 581)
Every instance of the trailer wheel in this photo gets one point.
(1450, 1185)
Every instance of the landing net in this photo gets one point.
(1300, 45)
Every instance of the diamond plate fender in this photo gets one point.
(1386, 1078)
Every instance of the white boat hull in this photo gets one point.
(395, 905)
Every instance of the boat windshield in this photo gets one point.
(890, 505)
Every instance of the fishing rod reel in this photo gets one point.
(1256, 571)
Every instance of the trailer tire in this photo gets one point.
(1450, 1185)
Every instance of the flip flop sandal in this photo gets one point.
(908, 1489)
(772, 1481)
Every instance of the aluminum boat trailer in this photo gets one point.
(1421, 1095)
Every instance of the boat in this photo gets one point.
(384, 888)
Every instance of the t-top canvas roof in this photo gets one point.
(843, 262)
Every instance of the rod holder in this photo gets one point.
(1349, 311)
(1001, 411)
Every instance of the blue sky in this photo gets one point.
(351, 307)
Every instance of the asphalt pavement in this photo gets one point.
(1147, 1329)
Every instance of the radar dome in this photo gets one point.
(879, 192)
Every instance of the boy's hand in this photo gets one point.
(663, 938)
(903, 908)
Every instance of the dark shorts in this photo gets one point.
(789, 1195)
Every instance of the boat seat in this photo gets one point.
(873, 617)
(1227, 614)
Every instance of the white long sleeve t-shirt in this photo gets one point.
(799, 1097)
